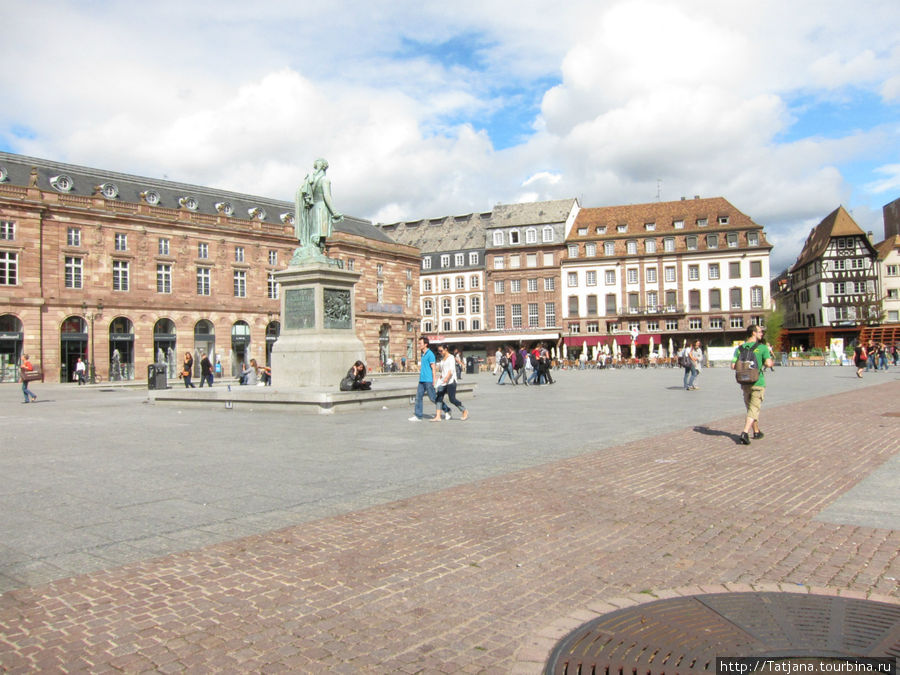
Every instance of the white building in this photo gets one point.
(889, 267)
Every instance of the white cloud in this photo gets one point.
(699, 94)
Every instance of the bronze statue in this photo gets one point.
(314, 215)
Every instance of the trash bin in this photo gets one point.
(156, 376)
(470, 365)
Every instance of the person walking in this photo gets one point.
(447, 387)
(754, 392)
(187, 371)
(694, 358)
(206, 370)
(507, 362)
(498, 356)
(26, 367)
(426, 379)
(860, 359)
(80, 371)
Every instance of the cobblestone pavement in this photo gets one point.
(469, 577)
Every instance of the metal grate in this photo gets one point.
(687, 634)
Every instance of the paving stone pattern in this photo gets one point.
(478, 576)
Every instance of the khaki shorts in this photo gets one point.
(753, 398)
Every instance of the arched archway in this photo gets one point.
(204, 342)
(273, 330)
(164, 345)
(121, 349)
(73, 345)
(240, 346)
(12, 337)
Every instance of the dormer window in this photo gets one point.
(62, 183)
(257, 212)
(678, 224)
(701, 222)
(601, 229)
(109, 190)
(4, 174)
(498, 238)
(753, 239)
(189, 203)
(547, 234)
(513, 236)
(582, 231)
(650, 227)
(226, 207)
(287, 218)
(621, 228)
(723, 220)
(151, 197)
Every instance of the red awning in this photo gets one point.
(591, 340)
(645, 340)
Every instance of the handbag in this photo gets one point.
(31, 375)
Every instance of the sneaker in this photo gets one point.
(465, 415)
(446, 416)
(758, 435)
(414, 419)
(745, 439)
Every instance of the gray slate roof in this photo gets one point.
(532, 213)
(451, 233)
(86, 179)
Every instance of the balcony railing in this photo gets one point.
(650, 310)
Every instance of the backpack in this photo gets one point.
(504, 361)
(745, 370)
(686, 358)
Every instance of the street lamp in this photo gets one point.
(90, 317)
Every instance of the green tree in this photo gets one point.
(774, 326)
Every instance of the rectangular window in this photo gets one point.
(631, 247)
(671, 300)
(572, 279)
(753, 238)
(531, 260)
(892, 270)
(516, 314)
(121, 241)
(693, 272)
(695, 324)
(426, 263)
(240, 284)
(460, 325)
(379, 291)
(573, 305)
(651, 275)
(531, 236)
(669, 244)
(755, 268)
(590, 278)
(610, 304)
(73, 236)
(670, 274)
(459, 259)
(736, 298)
(514, 262)
(499, 287)
(273, 257)
(498, 238)
(712, 241)
(476, 305)
(652, 301)
(203, 280)
(460, 283)
(445, 260)
(694, 301)
(631, 275)
(715, 299)
(473, 258)
(573, 250)
(652, 326)
(671, 324)
(427, 306)
(120, 275)
(550, 284)
(460, 305)
(271, 287)
(547, 236)
(650, 246)
(474, 281)
(592, 305)
(609, 248)
(734, 270)
(548, 260)
(9, 268)
(549, 314)
(202, 250)
(163, 246)
(574, 328)
(731, 239)
(532, 285)
(610, 277)
(515, 285)
(713, 270)
(691, 243)
(74, 271)
(590, 250)
(678, 224)
(163, 278)
(445, 306)
(426, 284)
(756, 297)
(513, 236)
(593, 327)
(715, 323)
(445, 283)
(737, 322)
(239, 254)
(500, 316)
(498, 262)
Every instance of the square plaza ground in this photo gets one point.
(138, 537)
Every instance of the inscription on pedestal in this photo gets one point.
(299, 308)
(336, 308)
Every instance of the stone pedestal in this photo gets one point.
(318, 342)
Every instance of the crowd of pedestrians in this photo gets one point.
(521, 365)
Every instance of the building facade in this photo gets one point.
(124, 271)
(833, 285)
(689, 269)
(524, 248)
(889, 278)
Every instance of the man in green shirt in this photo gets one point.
(754, 392)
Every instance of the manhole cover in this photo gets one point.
(686, 634)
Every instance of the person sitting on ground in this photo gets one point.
(355, 380)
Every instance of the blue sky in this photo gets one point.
(425, 109)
